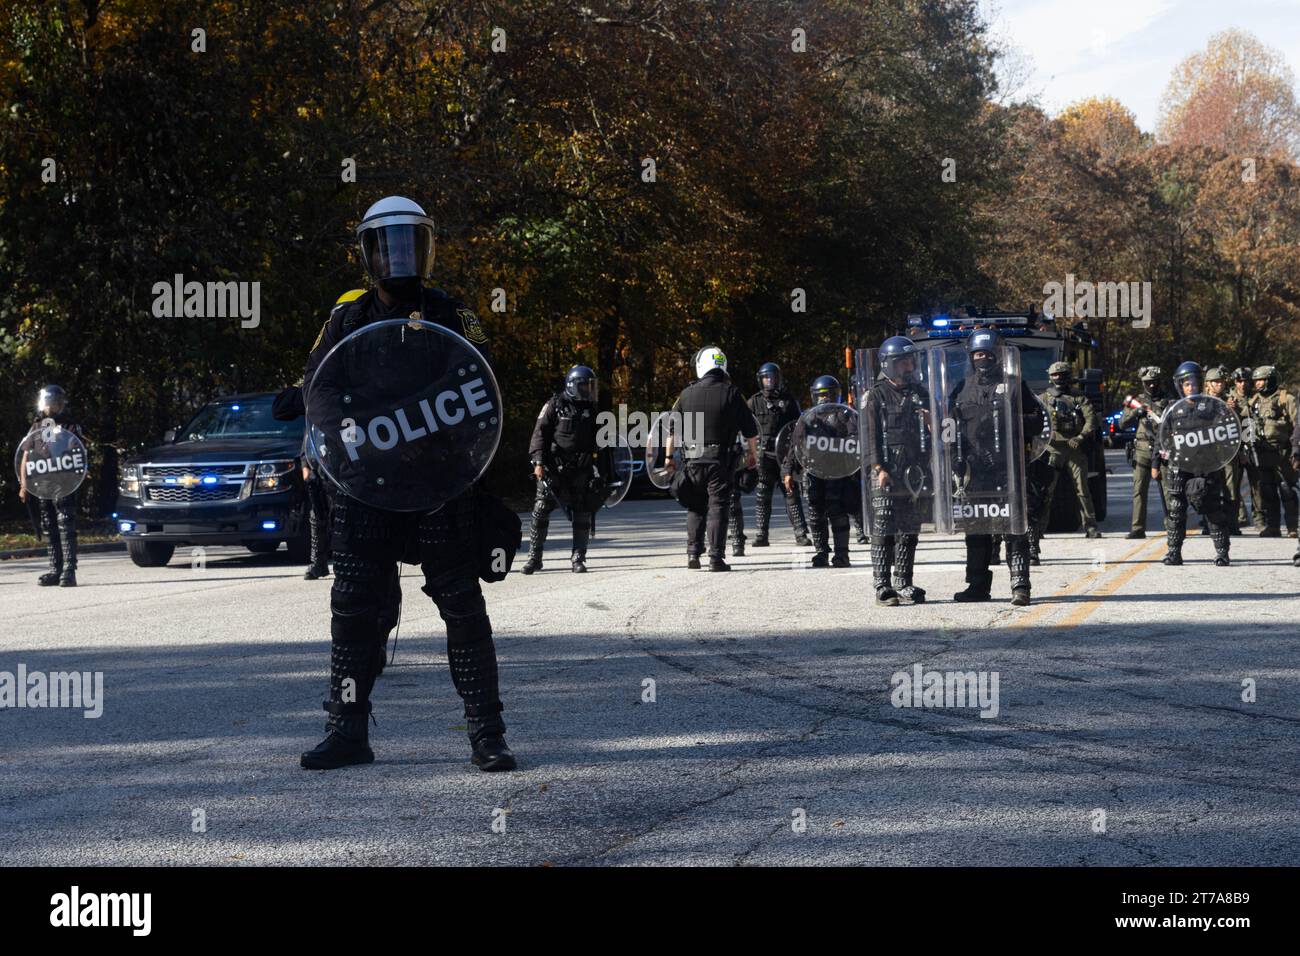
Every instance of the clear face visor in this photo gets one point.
(770, 381)
(824, 395)
(49, 402)
(582, 390)
(1188, 385)
(398, 251)
(899, 368)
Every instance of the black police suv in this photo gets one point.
(231, 476)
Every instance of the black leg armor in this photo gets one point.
(1018, 561)
(53, 544)
(1176, 516)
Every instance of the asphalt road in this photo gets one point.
(1120, 691)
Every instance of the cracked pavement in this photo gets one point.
(1120, 691)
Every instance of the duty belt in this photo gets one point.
(695, 451)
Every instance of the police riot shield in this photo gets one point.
(894, 426)
(655, 446)
(617, 466)
(51, 461)
(1199, 434)
(404, 415)
(781, 444)
(979, 456)
(825, 441)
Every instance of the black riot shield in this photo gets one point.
(1199, 434)
(894, 425)
(825, 441)
(405, 415)
(979, 457)
(50, 461)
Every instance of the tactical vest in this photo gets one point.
(1067, 417)
(1274, 414)
(1144, 437)
(903, 436)
(772, 413)
(708, 398)
(575, 428)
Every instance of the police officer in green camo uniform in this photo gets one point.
(1143, 411)
(1237, 396)
(1273, 414)
(1074, 421)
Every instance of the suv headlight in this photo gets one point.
(272, 476)
(128, 483)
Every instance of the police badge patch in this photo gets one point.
(470, 323)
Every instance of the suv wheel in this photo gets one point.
(150, 554)
(262, 547)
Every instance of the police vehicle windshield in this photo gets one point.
(246, 418)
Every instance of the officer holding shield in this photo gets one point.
(993, 413)
(830, 499)
(58, 514)
(717, 412)
(774, 407)
(895, 413)
(563, 452)
(1198, 435)
(377, 333)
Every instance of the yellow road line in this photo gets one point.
(1079, 584)
(1079, 614)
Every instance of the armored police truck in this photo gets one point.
(1042, 340)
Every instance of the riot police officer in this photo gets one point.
(704, 485)
(830, 500)
(1074, 422)
(974, 401)
(896, 457)
(1273, 416)
(774, 407)
(1144, 411)
(58, 517)
(1208, 494)
(396, 242)
(563, 450)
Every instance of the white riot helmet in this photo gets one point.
(396, 237)
(709, 358)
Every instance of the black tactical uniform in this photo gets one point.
(59, 518)
(830, 500)
(1144, 411)
(369, 543)
(564, 444)
(774, 409)
(704, 485)
(901, 444)
(1208, 494)
(979, 459)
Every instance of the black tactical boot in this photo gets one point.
(693, 562)
(1035, 549)
(821, 559)
(68, 531)
(886, 596)
(803, 541)
(347, 740)
(1295, 560)
(473, 660)
(1018, 566)
(1222, 544)
(352, 677)
(581, 535)
(738, 549)
(1135, 535)
(717, 564)
(980, 584)
(54, 549)
(1092, 532)
(536, 542)
(761, 542)
(1271, 533)
(904, 558)
(318, 562)
(840, 538)
(1174, 548)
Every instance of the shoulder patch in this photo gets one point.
(350, 296)
(320, 336)
(472, 327)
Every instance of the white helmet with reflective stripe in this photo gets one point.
(396, 237)
(709, 358)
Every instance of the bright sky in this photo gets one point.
(1127, 48)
